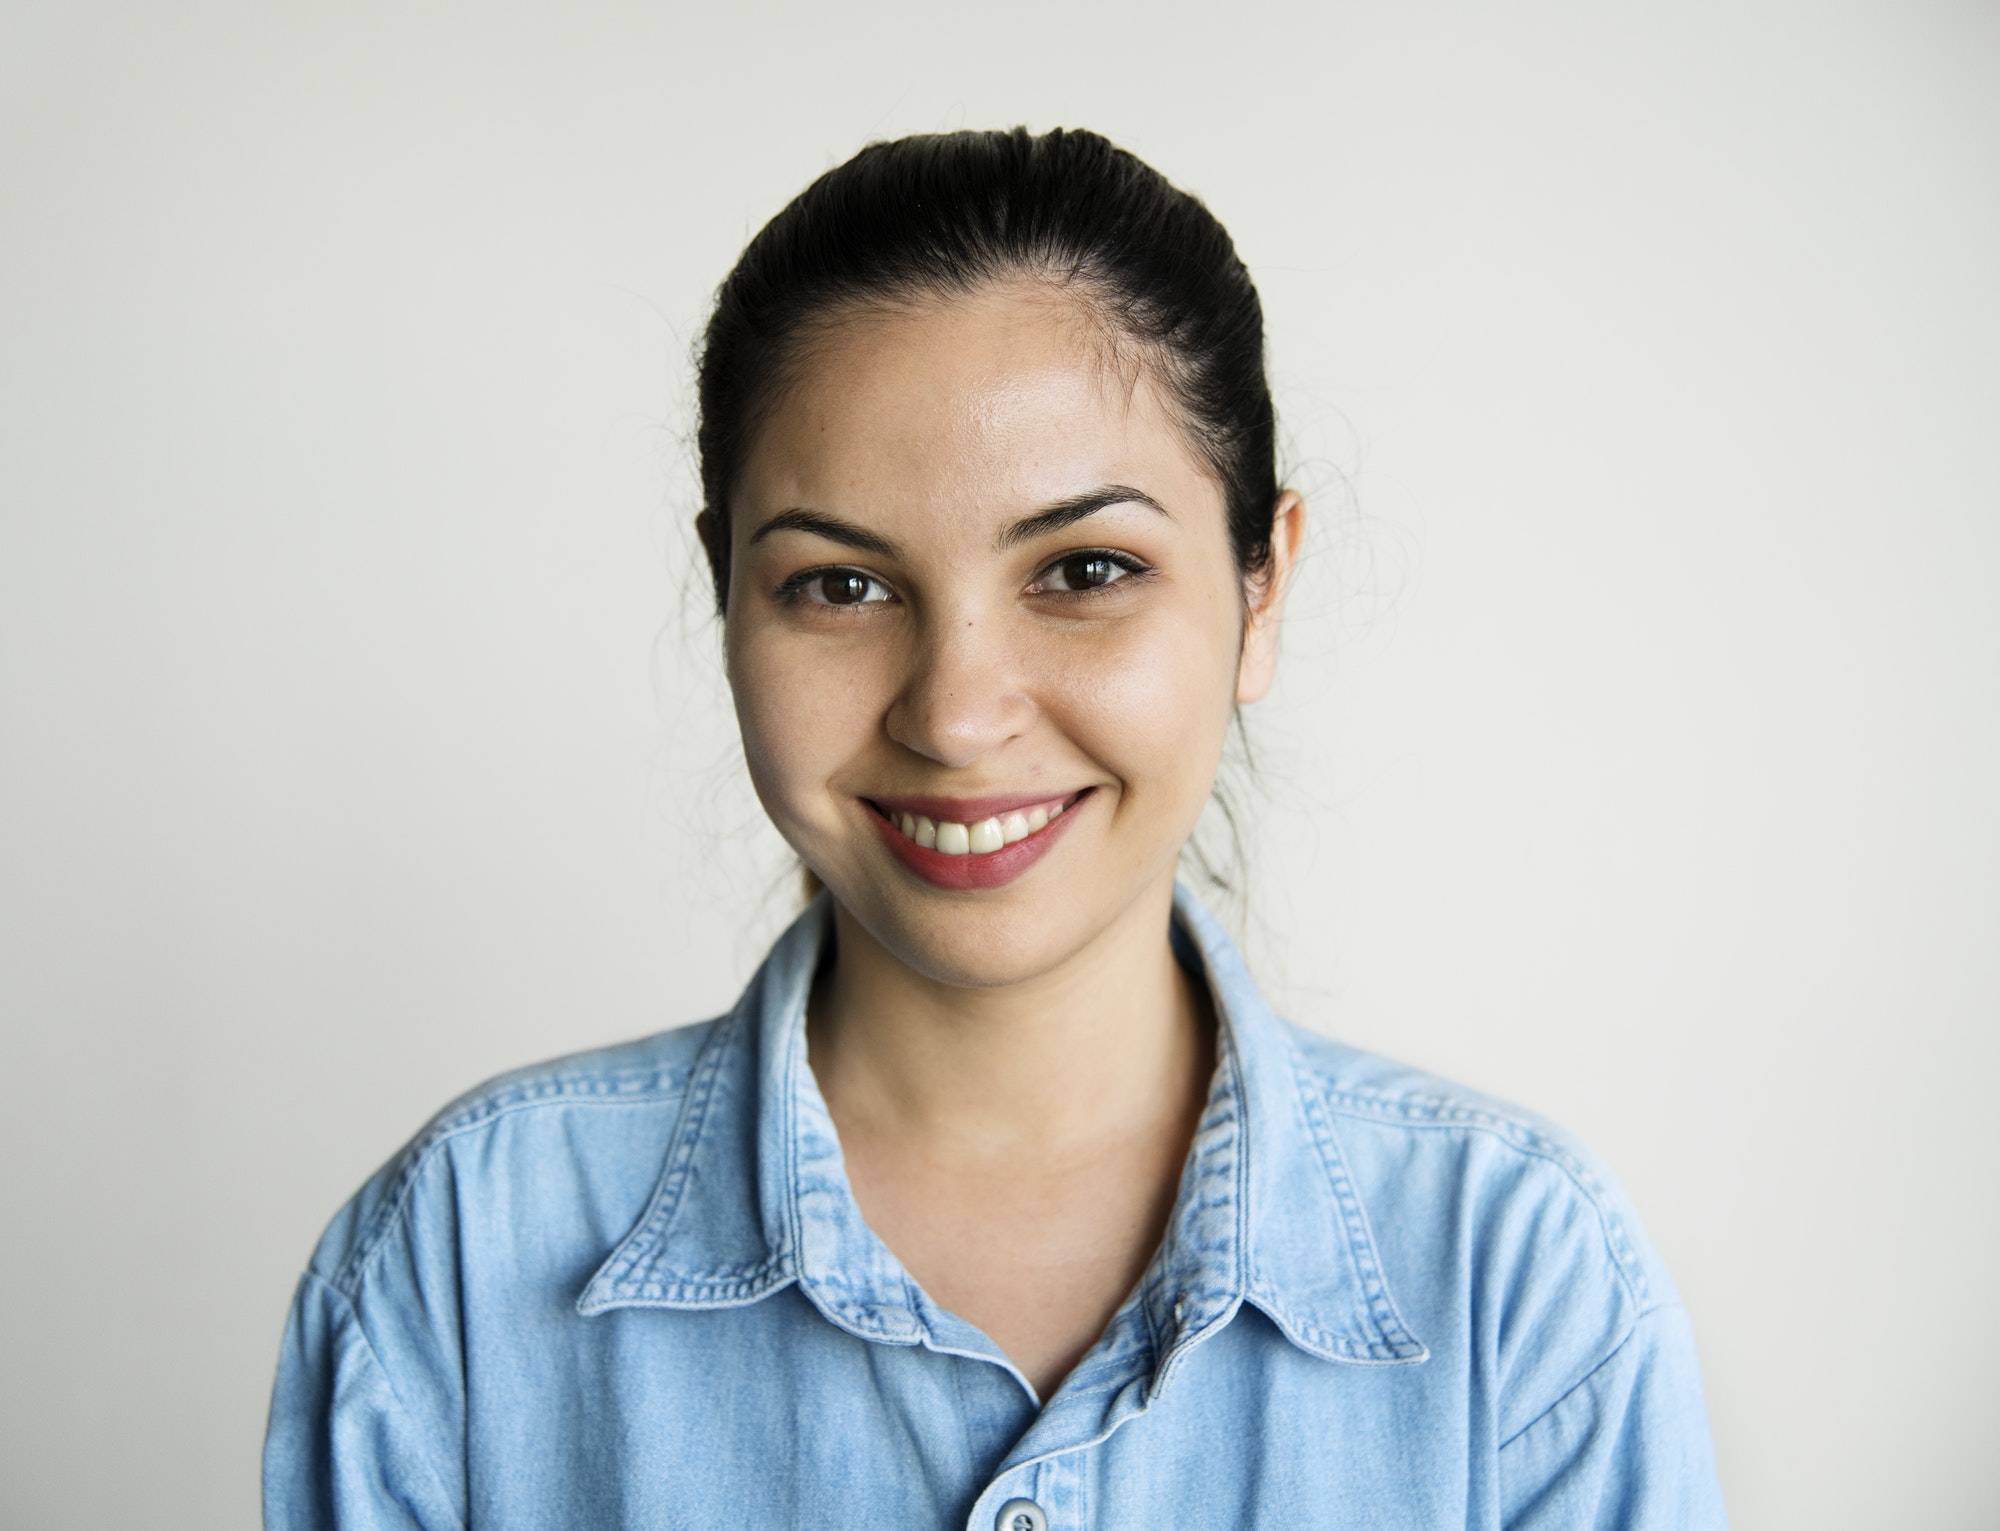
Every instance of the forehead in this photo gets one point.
(970, 408)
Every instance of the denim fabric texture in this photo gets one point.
(632, 1288)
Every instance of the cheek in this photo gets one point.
(1154, 694)
(797, 722)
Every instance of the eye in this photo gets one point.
(1083, 573)
(1090, 570)
(840, 587)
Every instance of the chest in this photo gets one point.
(786, 1420)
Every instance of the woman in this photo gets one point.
(1000, 1198)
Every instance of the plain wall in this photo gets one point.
(1633, 755)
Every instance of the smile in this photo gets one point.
(982, 854)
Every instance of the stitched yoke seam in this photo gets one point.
(1396, 1111)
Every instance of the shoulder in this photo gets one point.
(1506, 1233)
(1505, 1154)
(596, 1120)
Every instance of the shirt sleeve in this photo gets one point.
(1626, 1449)
(340, 1451)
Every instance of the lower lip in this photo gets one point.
(987, 870)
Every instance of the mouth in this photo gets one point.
(980, 856)
(978, 837)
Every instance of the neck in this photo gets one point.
(1116, 1042)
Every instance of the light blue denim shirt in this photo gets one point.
(632, 1288)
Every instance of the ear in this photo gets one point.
(1259, 661)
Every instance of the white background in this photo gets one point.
(1633, 756)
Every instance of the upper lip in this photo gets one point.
(970, 810)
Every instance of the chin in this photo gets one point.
(971, 941)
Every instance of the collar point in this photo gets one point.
(1341, 1336)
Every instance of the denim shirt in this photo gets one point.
(632, 1288)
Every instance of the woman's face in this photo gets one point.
(948, 659)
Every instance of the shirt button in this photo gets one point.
(1021, 1515)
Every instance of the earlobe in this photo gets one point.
(1253, 675)
(1258, 658)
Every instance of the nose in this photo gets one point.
(965, 694)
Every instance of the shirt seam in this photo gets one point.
(1448, 1114)
(1591, 1376)
(671, 1085)
(352, 1318)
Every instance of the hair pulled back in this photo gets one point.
(934, 216)
(939, 215)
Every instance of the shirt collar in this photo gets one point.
(754, 1195)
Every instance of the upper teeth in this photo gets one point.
(980, 837)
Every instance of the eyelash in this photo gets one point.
(793, 591)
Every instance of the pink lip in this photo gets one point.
(988, 870)
(970, 810)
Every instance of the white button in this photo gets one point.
(1180, 1309)
(1021, 1515)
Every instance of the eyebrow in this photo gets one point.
(1050, 518)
